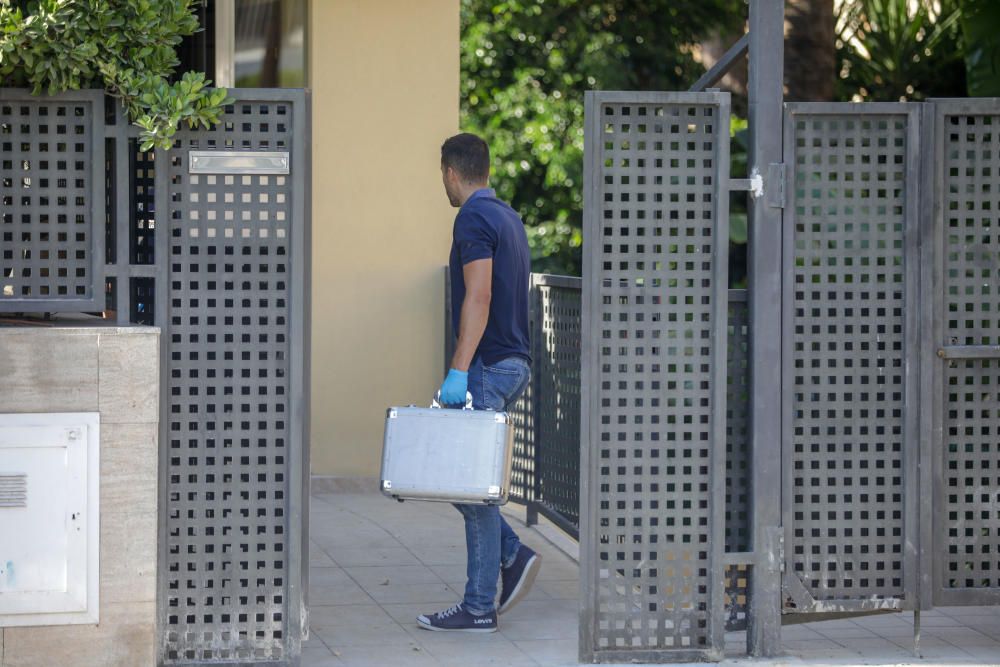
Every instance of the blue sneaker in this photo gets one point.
(458, 619)
(516, 580)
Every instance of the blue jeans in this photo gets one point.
(488, 538)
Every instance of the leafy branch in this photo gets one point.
(126, 47)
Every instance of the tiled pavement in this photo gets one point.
(376, 565)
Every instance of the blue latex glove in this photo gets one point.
(454, 387)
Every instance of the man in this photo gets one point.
(490, 265)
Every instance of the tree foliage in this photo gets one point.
(893, 50)
(525, 67)
(127, 47)
(981, 33)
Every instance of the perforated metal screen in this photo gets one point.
(966, 330)
(51, 204)
(233, 420)
(850, 345)
(738, 459)
(557, 368)
(654, 391)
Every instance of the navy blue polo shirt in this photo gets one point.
(487, 227)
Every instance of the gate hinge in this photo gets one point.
(774, 187)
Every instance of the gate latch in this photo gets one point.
(773, 188)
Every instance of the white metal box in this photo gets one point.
(49, 518)
(459, 456)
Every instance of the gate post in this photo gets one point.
(766, 95)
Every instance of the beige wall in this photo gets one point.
(384, 76)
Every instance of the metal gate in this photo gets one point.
(850, 356)
(232, 252)
(654, 376)
(889, 357)
(962, 351)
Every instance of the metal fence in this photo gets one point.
(217, 257)
(234, 457)
(960, 404)
(52, 160)
(654, 376)
(887, 350)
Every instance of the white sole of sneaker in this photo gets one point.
(427, 626)
(524, 585)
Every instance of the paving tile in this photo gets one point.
(318, 557)
(440, 594)
(430, 536)
(820, 626)
(852, 632)
(815, 647)
(560, 590)
(496, 650)
(454, 555)
(924, 641)
(971, 611)
(518, 630)
(319, 657)
(793, 632)
(390, 575)
(450, 574)
(406, 614)
(544, 610)
(875, 648)
(372, 557)
(988, 630)
(940, 622)
(551, 652)
(332, 586)
(966, 637)
(984, 655)
(410, 655)
(366, 537)
(356, 625)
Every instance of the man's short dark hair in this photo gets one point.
(469, 155)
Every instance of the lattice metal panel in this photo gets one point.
(969, 535)
(558, 415)
(141, 203)
(849, 285)
(522, 487)
(52, 175)
(654, 375)
(737, 425)
(737, 458)
(233, 396)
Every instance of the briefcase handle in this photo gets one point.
(436, 401)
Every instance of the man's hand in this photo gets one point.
(454, 388)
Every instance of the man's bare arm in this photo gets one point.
(475, 311)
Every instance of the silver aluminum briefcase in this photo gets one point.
(450, 455)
